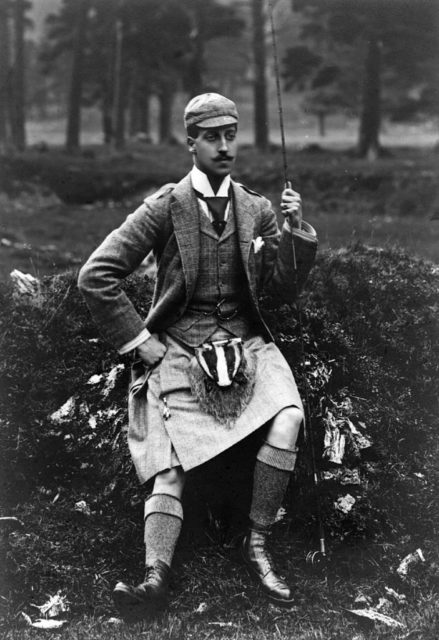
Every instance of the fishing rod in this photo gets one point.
(316, 558)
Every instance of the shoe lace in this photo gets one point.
(265, 557)
(151, 573)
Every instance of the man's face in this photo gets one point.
(215, 150)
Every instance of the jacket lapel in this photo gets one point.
(184, 210)
(245, 222)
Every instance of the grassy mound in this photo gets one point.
(371, 369)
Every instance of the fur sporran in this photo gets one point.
(222, 376)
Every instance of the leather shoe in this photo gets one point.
(260, 565)
(149, 595)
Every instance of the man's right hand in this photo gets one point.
(151, 351)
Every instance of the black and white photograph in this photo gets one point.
(219, 303)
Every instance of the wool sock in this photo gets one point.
(163, 522)
(270, 480)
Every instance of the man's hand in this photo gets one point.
(291, 207)
(151, 351)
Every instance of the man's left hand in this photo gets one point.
(291, 207)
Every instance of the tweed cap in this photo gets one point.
(210, 110)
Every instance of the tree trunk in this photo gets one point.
(74, 108)
(117, 95)
(322, 123)
(108, 93)
(120, 86)
(196, 66)
(4, 77)
(195, 79)
(369, 144)
(140, 112)
(144, 112)
(260, 82)
(166, 98)
(107, 120)
(133, 108)
(18, 123)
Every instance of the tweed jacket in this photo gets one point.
(167, 223)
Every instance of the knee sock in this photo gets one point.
(270, 480)
(163, 522)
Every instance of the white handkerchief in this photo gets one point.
(258, 243)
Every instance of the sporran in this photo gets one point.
(222, 376)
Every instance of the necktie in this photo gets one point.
(217, 207)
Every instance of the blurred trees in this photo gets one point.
(80, 8)
(157, 49)
(17, 84)
(327, 80)
(4, 75)
(209, 20)
(382, 53)
(367, 58)
(260, 80)
(129, 50)
(12, 73)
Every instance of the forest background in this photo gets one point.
(91, 99)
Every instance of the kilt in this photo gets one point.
(167, 427)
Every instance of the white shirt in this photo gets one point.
(200, 182)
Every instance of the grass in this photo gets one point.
(61, 236)
(83, 556)
(301, 129)
(212, 596)
(391, 202)
(338, 229)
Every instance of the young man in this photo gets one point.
(209, 373)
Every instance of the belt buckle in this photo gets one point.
(219, 313)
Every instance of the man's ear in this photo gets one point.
(191, 144)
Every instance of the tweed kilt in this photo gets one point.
(168, 428)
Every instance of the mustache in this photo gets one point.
(224, 156)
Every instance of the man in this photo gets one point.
(207, 372)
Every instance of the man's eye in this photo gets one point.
(231, 136)
(210, 138)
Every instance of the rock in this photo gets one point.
(398, 597)
(334, 441)
(66, 412)
(345, 504)
(410, 560)
(83, 507)
(376, 616)
(56, 605)
(26, 287)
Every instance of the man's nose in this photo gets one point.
(223, 144)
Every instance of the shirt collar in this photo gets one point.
(200, 182)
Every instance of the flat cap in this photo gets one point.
(210, 110)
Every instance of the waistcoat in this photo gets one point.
(220, 277)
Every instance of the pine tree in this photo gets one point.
(75, 95)
(383, 50)
(209, 19)
(260, 79)
(5, 75)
